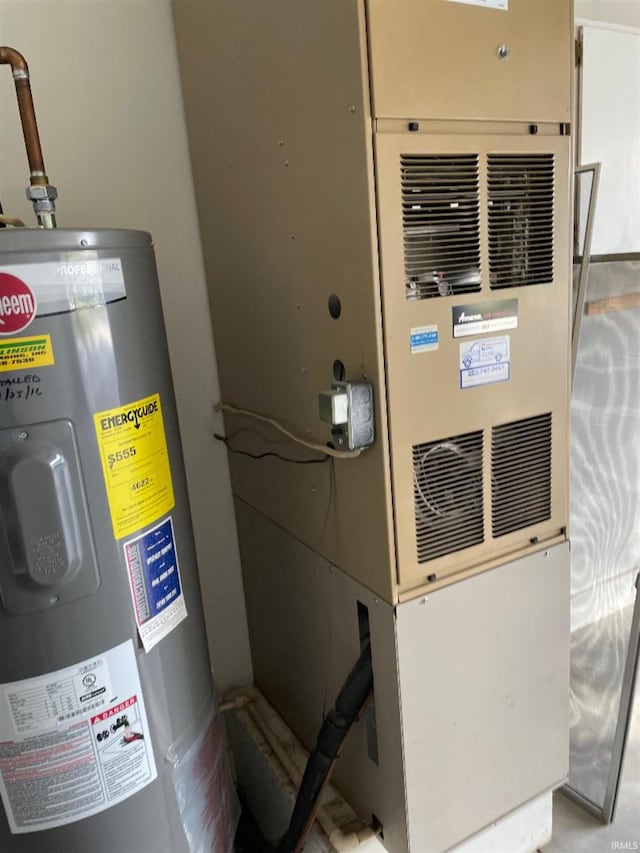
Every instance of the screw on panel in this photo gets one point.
(546, 553)
(431, 578)
(413, 126)
(84, 242)
(504, 52)
(533, 129)
(352, 108)
(23, 435)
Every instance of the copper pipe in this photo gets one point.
(20, 72)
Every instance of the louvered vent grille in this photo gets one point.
(447, 488)
(520, 219)
(521, 474)
(440, 220)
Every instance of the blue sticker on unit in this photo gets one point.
(153, 565)
(424, 339)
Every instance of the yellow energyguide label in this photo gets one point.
(25, 353)
(135, 464)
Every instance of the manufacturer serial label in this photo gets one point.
(483, 317)
(135, 464)
(25, 353)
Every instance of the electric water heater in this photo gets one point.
(109, 736)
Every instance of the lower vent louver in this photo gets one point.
(521, 474)
(447, 487)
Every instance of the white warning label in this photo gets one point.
(73, 742)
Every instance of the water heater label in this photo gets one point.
(154, 577)
(77, 280)
(135, 464)
(25, 353)
(73, 742)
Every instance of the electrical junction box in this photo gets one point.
(393, 194)
(348, 406)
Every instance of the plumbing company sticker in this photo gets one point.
(78, 280)
(135, 464)
(483, 317)
(74, 742)
(485, 361)
(488, 4)
(424, 339)
(154, 576)
(25, 353)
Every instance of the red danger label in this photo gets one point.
(17, 304)
(116, 709)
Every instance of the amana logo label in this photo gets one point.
(17, 304)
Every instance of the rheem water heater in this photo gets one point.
(109, 736)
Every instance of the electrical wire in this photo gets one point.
(312, 445)
(227, 439)
(12, 220)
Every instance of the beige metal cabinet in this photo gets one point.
(412, 159)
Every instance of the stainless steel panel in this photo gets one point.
(605, 529)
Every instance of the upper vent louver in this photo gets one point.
(521, 474)
(521, 193)
(440, 220)
(447, 488)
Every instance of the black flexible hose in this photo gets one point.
(352, 699)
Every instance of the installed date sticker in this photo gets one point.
(73, 742)
(485, 361)
(154, 576)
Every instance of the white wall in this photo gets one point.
(107, 93)
(623, 12)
